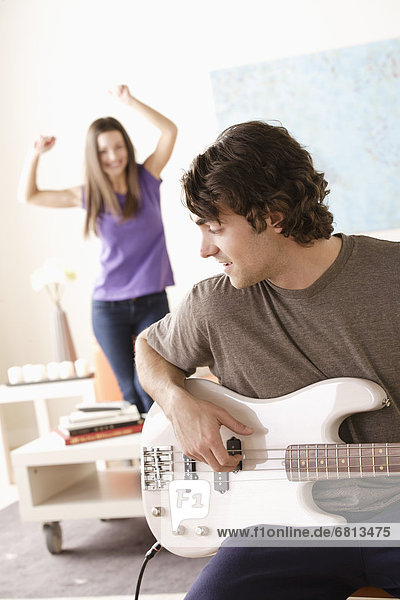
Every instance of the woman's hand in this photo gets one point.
(44, 143)
(162, 152)
(122, 93)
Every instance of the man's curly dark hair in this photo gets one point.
(256, 169)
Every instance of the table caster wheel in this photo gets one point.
(53, 535)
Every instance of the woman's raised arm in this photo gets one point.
(168, 130)
(28, 191)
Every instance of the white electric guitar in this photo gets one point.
(295, 442)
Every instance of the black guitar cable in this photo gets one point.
(156, 547)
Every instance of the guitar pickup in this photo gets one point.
(189, 468)
(234, 446)
(221, 479)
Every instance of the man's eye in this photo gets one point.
(215, 231)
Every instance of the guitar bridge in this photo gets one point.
(157, 467)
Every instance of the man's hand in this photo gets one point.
(197, 423)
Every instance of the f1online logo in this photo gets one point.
(188, 502)
(182, 495)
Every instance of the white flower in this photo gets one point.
(52, 276)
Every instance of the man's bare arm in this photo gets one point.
(196, 422)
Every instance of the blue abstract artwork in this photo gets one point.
(344, 106)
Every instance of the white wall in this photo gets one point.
(59, 57)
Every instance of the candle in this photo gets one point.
(15, 375)
(81, 367)
(53, 370)
(66, 369)
(38, 372)
(28, 373)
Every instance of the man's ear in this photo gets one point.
(274, 220)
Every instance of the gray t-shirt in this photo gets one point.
(265, 341)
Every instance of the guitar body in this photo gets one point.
(185, 508)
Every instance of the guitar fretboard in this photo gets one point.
(310, 462)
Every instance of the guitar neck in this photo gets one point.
(312, 462)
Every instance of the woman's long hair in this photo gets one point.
(99, 194)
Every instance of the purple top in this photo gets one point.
(134, 259)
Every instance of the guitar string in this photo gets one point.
(293, 480)
(322, 476)
(309, 459)
(312, 475)
(319, 448)
(317, 468)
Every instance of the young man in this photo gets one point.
(295, 305)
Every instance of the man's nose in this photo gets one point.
(208, 247)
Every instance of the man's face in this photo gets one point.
(246, 256)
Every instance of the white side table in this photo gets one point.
(14, 432)
(58, 482)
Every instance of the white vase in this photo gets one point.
(62, 339)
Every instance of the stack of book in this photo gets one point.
(96, 423)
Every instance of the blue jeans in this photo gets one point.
(301, 573)
(279, 572)
(115, 325)
(304, 573)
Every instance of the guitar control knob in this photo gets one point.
(180, 530)
(157, 511)
(201, 530)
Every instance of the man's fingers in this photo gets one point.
(198, 431)
(217, 458)
(225, 461)
(235, 425)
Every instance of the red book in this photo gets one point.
(73, 430)
(99, 435)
